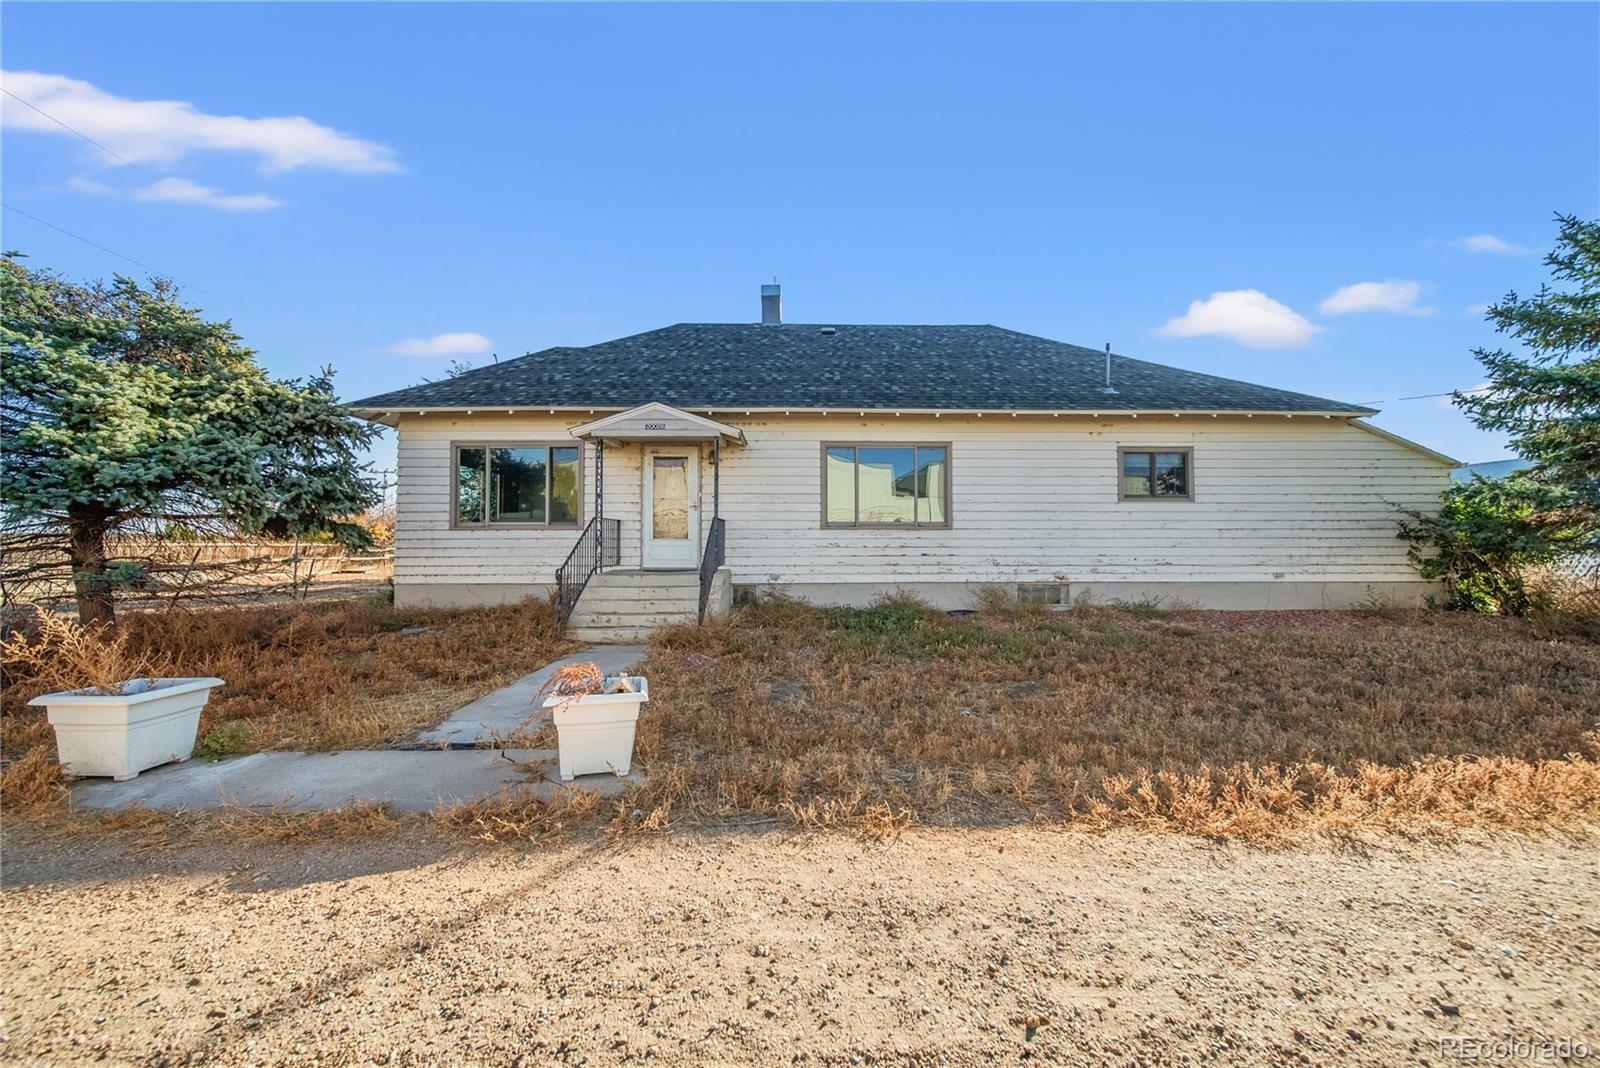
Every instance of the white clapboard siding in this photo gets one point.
(1032, 499)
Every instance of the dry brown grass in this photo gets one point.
(511, 817)
(314, 677)
(1242, 725)
(1255, 726)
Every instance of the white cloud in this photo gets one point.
(1395, 296)
(1476, 310)
(1491, 244)
(1247, 316)
(181, 190)
(465, 343)
(162, 131)
(79, 184)
(178, 191)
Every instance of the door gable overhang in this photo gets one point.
(657, 422)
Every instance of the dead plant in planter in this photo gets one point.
(575, 680)
(583, 680)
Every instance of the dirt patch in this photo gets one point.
(940, 947)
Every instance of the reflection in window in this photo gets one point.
(931, 483)
(885, 485)
(1155, 474)
(516, 480)
(885, 492)
(521, 484)
(469, 485)
(1136, 474)
(1172, 474)
(839, 480)
(564, 485)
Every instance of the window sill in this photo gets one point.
(885, 526)
(566, 527)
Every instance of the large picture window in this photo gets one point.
(1155, 474)
(522, 485)
(886, 485)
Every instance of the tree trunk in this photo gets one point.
(88, 549)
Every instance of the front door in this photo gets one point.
(671, 506)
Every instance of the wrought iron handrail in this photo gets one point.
(715, 556)
(597, 547)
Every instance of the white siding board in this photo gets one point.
(1031, 499)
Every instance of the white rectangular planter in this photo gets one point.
(595, 732)
(122, 734)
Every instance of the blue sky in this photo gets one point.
(1320, 198)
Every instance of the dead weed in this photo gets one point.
(1341, 723)
(342, 675)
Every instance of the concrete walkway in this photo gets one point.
(411, 780)
(416, 780)
(498, 714)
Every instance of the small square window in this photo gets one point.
(1155, 474)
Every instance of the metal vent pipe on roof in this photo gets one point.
(771, 305)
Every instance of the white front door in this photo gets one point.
(671, 506)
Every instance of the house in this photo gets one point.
(662, 471)
(1489, 469)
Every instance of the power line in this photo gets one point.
(1429, 396)
(122, 159)
(112, 251)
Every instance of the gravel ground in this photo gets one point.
(937, 948)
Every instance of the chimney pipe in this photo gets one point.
(771, 305)
(1108, 390)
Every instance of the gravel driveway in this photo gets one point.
(937, 948)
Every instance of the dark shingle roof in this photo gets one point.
(947, 368)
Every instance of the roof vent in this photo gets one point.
(1108, 389)
(830, 330)
(771, 305)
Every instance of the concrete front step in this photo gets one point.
(625, 606)
(613, 595)
(633, 619)
(612, 635)
(631, 579)
(671, 598)
(626, 616)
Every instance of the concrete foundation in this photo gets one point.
(1279, 594)
(1241, 595)
(466, 594)
(1260, 595)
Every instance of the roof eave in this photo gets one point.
(377, 414)
(1406, 442)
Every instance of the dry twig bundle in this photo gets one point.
(575, 680)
